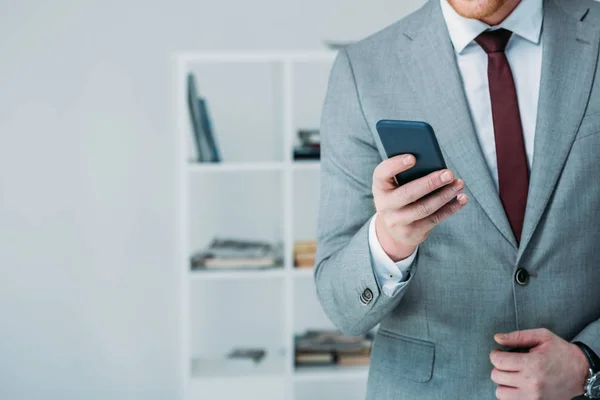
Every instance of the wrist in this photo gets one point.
(394, 249)
(582, 364)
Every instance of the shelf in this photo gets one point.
(252, 166)
(251, 57)
(304, 272)
(259, 191)
(306, 165)
(235, 167)
(331, 373)
(272, 367)
(203, 275)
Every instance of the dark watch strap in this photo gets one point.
(592, 357)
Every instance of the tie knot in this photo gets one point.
(494, 41)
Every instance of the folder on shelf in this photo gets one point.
(237, 254)
(203, 135)
(207, 127)
(316, 347)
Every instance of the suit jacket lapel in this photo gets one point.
(429, 64)
(569, 61)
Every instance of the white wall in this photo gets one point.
(88, 284)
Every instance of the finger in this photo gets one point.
(413, 191)
(385, 173)
(507, 393)
(428, 223)
(425, 207)
(504, 378)
(525, 338)
(507, 361)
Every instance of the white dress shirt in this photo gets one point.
(524, 53)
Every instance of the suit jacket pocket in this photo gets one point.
(396, 355)
(589, 126)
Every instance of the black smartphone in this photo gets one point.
(416, 138)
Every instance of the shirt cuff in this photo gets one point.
(391, 276)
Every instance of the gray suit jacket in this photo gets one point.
(435, 336)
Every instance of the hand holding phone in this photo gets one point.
(408, 208)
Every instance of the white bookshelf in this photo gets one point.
(239, 167)
(257, 101)
(330, 374)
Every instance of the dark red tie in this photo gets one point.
(513, 174)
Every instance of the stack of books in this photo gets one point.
(207, 149)
(237, 254)
(309, 147)
(304, 253)
(317, 348)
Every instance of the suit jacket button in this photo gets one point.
(366, 297)
(522, 277)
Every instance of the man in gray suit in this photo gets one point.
(502, 298)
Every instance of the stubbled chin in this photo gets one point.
(476, 9)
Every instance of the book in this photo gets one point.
(237, 254)
(208, 129)
(317, 347)
(253, 354)
(204, 151)
(304, 253)
(309, 137)
(200, 261)
(304, 260)
(240, 262)
(359, 358)
(220, 247)
(305, 245)
(313, 359)
(306, 153)
(331, 341)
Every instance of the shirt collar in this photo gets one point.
(525, 21)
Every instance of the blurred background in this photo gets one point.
(134, 266)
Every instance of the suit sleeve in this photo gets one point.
(346, 283)
(391, 276)
(590, 336)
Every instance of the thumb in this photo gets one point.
(526, 338)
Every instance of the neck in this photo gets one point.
(502, 13)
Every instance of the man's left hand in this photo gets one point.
(553, 369)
